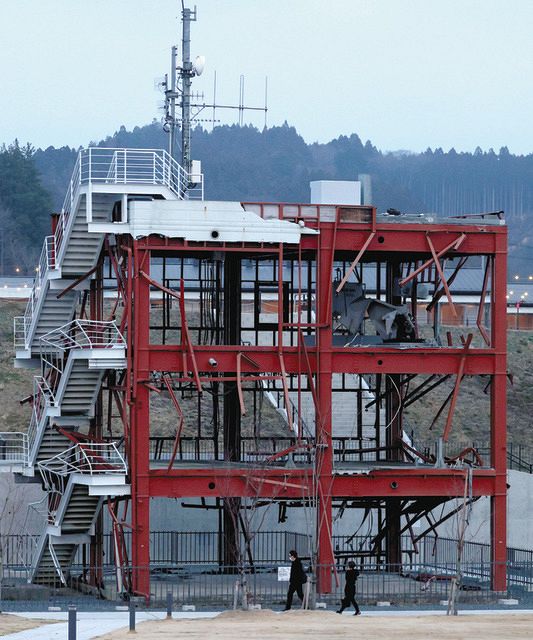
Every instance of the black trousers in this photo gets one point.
(292, 588)
(349, 599)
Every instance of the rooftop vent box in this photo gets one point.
(335, 192)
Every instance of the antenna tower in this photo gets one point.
(179, 95)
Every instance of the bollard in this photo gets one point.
(132, 616)
(169, 604)
(71, 622)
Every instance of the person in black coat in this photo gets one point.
(349, 589)
(297, 579)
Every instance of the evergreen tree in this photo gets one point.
(24, 209)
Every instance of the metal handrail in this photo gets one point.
(83, 334)
(83, 458)
(46, 261)
(138, 166)
(43, 397)
(56, 562)
(13, 447)
(91, 458)
(77, 334)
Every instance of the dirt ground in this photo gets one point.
(12, 624)
(297, 624)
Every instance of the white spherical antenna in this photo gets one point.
(198, 65)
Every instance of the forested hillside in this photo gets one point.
(276, 164)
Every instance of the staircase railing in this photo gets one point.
(43, 398)
(104, 166)
(88, 458)
(77, 334)
(13, 448)
(21, 324)
(57, 564)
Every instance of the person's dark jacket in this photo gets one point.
(298, 575)
(351, 578)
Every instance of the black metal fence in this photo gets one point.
(228, 586)
(184, 548)
(345, 450)
(175, 554)
(223, 586)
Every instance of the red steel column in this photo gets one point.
(140, 426)
(324, 452)
(498, 417)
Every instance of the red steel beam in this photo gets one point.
(181, 419)
(355, 262)
(288, 404)
(454, 244)
(479, 318)
(321, 491)
(138, 456)
(498, 403)
(239, 385)
(455, 393)
(442, 276)
(405, 483)
(406, 238)
(345, 360)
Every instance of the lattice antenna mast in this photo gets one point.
(178, 93)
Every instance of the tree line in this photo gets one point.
(244, 163)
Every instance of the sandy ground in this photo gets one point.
(297, 624)
(12, 624)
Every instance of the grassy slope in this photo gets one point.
(15, 384)
(470, 421)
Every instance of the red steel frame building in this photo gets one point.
(354, 239)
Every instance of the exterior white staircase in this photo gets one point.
(54, 312)
(81, 253)
(77, 480)
(74, 354)
(74, 358)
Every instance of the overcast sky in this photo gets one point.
(406, 74)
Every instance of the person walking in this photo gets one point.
(349, 589)
(297, 579)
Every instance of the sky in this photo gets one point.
(406, 74)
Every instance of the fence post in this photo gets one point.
(169, 604)
(132, 615)
(71, 622)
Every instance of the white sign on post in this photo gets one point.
(284, 574)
